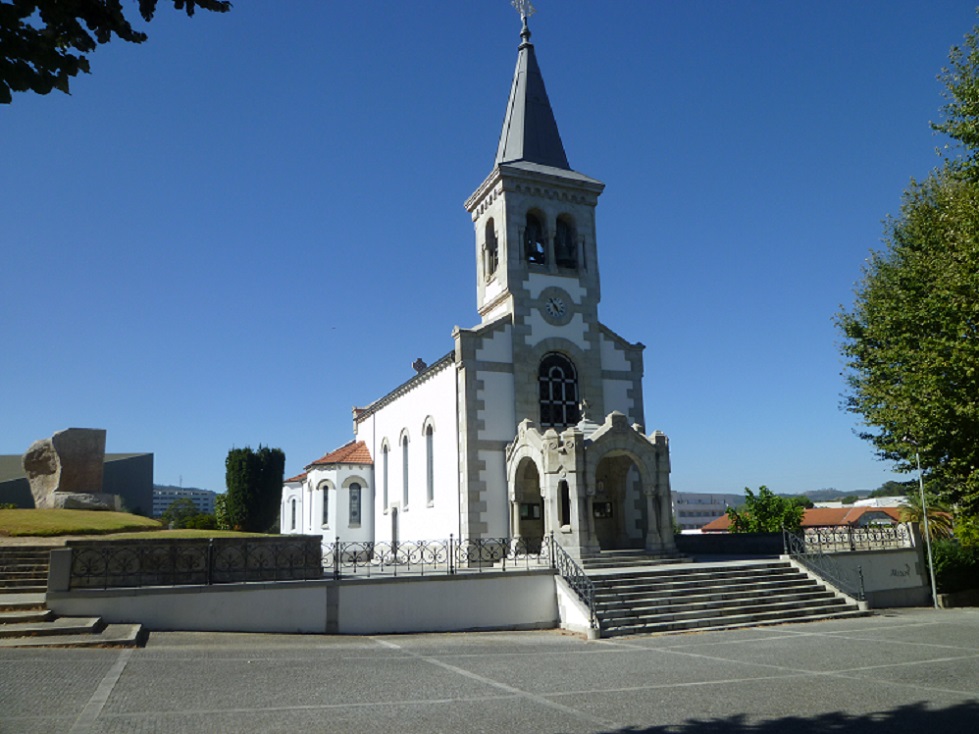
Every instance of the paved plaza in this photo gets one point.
(900, 671)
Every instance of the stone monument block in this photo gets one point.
(65, 471)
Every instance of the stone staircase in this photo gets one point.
(686, 596)
(25, 620)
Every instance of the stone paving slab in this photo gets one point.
(911, 671)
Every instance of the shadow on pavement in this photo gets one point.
(915, 717)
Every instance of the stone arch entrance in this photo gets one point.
(617, 508)
(528, 505)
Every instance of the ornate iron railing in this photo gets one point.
(826, 567)
(420, 557)
(575, 575)
(110, 564)
(837, 539)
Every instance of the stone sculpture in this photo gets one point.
(65, 471)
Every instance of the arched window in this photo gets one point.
(404, 472)
(564, 509)
(558, 392)
(326, 503)
(565, 246)
(385, 450)
(492, 249)
(354, 498)
(293, 513)
(534, 244)
(430, 465)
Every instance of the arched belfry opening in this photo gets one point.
(535, 240)
(565, 243)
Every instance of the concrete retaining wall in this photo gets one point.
(892, 578)
(524, 600)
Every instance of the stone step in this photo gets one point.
(660, 614)
(24, 585)
(680, 588)
(711, 625)
(712, 599)
(694, 571)
(59, 626)
(11, 602)
(25, 616)
(113, 635)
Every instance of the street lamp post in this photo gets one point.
(924, 513)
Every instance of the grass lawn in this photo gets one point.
(118, 525)
(71, 522)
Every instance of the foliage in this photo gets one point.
(911, 339)
(802, 500)
(7, 506)
(939, 518)
(967, 530)
(178, 513)
(961, 109)
(849, 499)
(956, 566)
(43, 43)
(33, 522)
(221, 512)
(254, 487)
(895, 489)
(765, 512)
(202, 521)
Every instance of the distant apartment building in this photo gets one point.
(693, 510)
(163, 497)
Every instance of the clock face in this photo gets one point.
(555, 307)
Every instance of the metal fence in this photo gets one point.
(840, 539)
(813, 557)
(113, 564)
(427, 557)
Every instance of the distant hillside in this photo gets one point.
(831, 495)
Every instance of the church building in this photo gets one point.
(533, 423)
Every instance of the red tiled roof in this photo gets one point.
(297, 478)
(816, 517)
(355, 452)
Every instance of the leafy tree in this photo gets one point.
(911, 339)
(43, 43)
(221, 512)
(254, 487)
(179, 513)
(849, 499)
(939, 518)
(802, 500)
(894, 489)
(765, 512)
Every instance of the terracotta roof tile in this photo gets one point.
(297, 478)
(817, 517)
(355, 452)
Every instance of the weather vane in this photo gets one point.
(525, 8)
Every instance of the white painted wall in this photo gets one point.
(524, 600)
(432, 399)
(616, 394)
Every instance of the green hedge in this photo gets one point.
(956, 566)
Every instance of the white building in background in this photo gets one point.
(693, 510)
(533, 422)
(163, 497)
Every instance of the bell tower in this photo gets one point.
(534, 216)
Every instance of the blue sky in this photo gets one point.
(237, 231)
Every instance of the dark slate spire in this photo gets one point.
(529, 129)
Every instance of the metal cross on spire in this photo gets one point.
(524, 7)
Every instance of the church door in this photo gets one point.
(529, 506)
